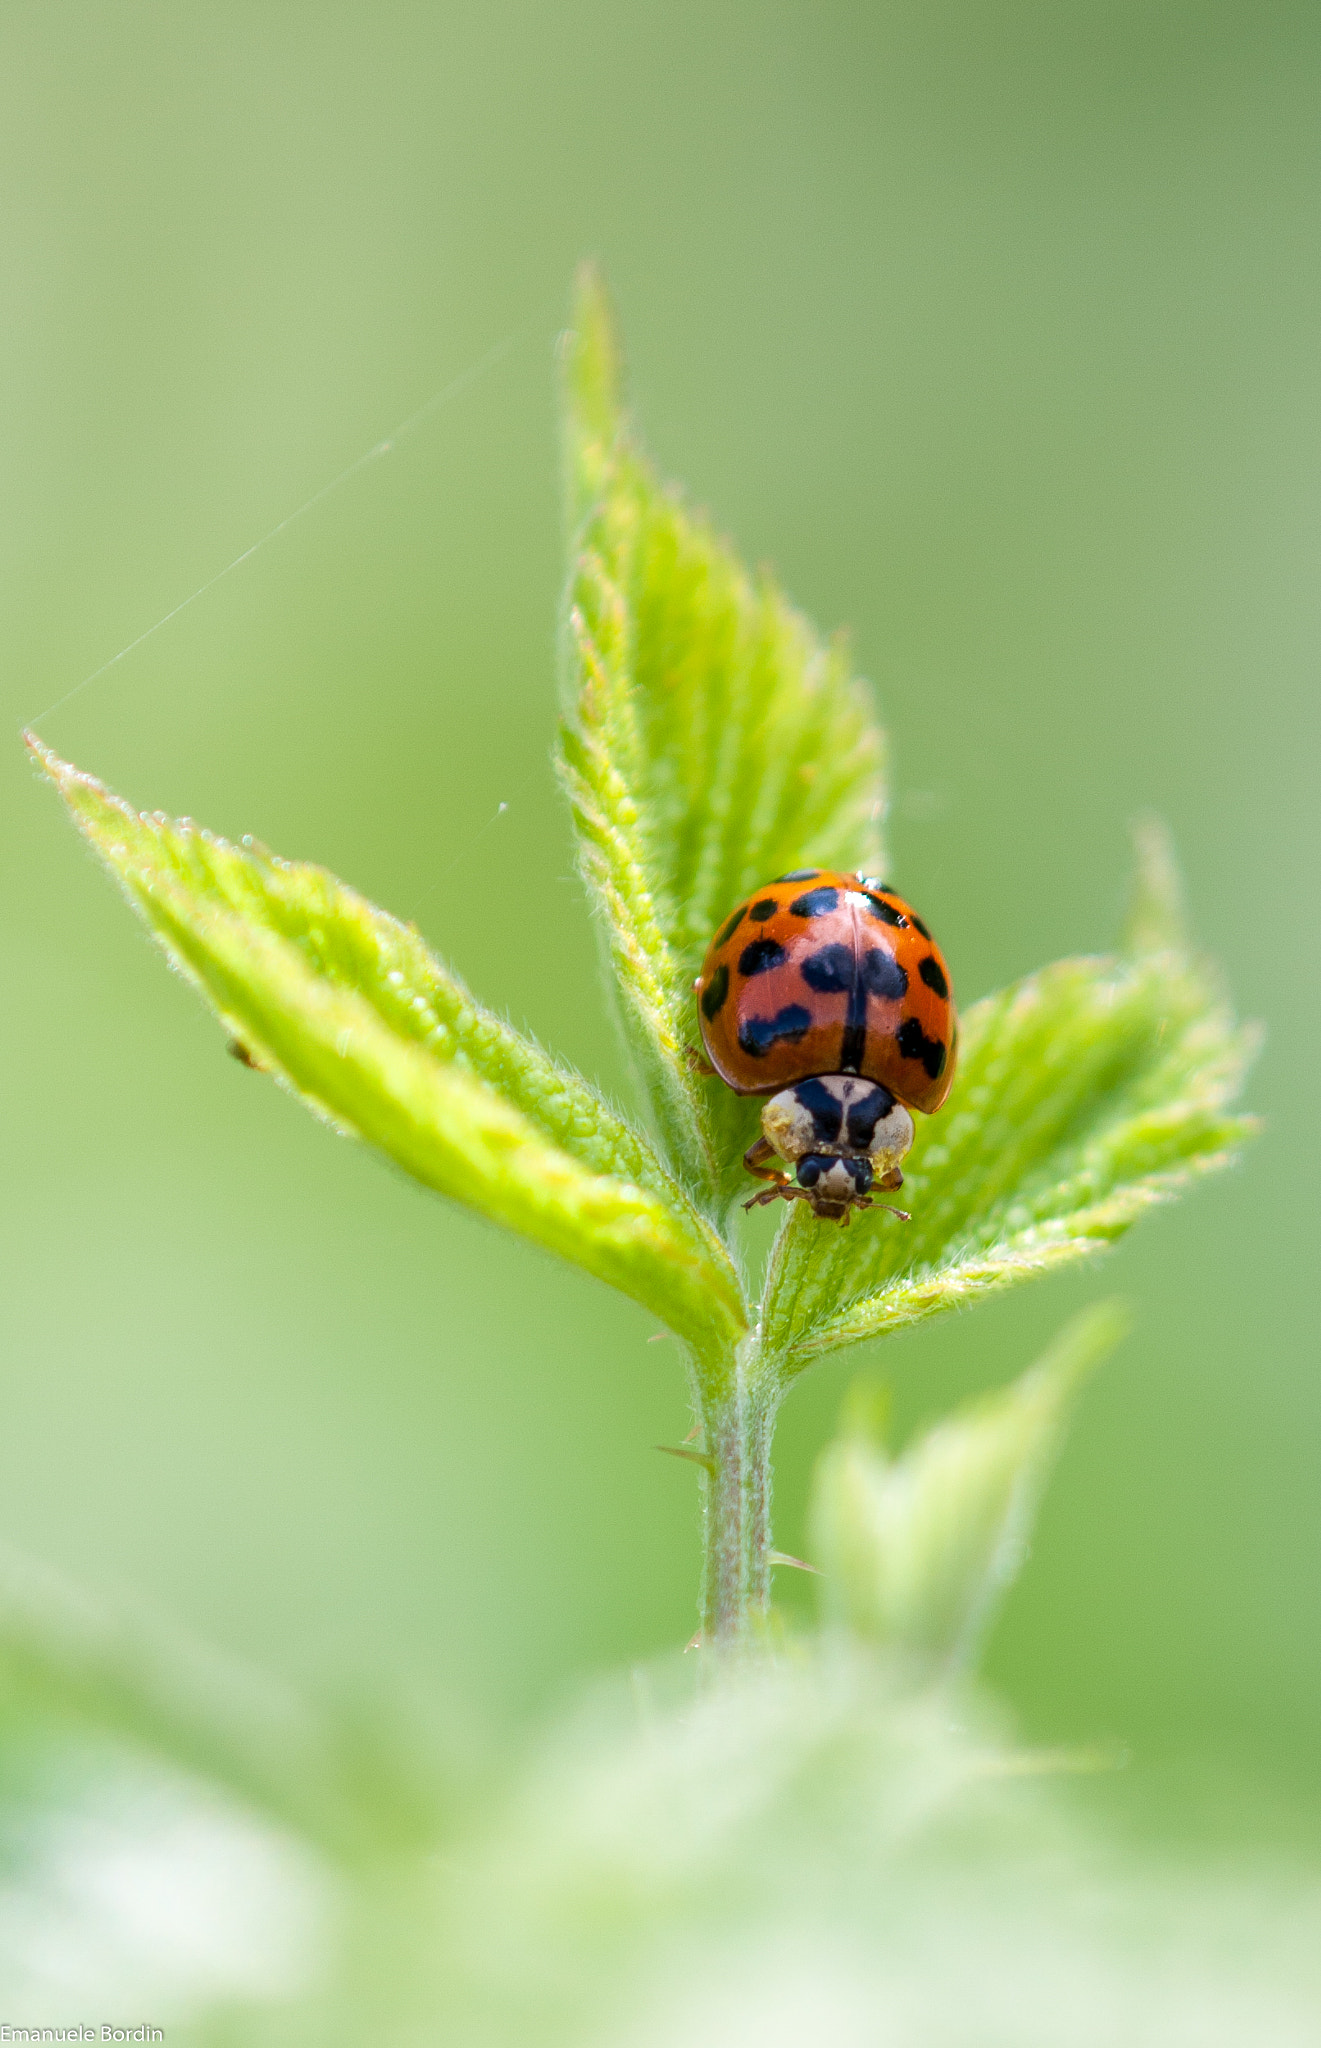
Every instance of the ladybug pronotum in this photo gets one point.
(827, 993)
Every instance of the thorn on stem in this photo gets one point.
(693, 1457)
(799, 1564)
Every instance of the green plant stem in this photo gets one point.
(739, 1421)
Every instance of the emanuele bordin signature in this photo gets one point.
(105, 2030)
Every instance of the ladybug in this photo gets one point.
(827, 992)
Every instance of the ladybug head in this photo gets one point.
(834, 1177)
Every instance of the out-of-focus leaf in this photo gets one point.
(348, 1008)
(916, 1551)
(711, 741)
(1086, 1094)
(816, 1851)
(112, 1668)
(1155, 922)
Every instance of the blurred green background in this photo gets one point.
(995, 329)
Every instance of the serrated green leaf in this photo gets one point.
(1086, 1094)
(712, 740)
(916, 1551)
(351, 1011)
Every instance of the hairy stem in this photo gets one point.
(739, 1419)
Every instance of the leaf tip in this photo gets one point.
(595, 350)
(42, 756)
(593, 376)
(1156, 921)
(1087, 1338)
(63, 774)
(95, 809)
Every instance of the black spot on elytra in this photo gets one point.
(930, 971)
(834, 971)
(815, 903)
(831, 972)
(886, 912)
(883, 976)
(756, 1035)
(760, 957)
(799, 875)
(713, 995)
(919, 926)
(723, 938)
(866, 1113)
(823, 1108)
(914, 1044)
(761, 911)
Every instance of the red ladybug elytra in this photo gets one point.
(827, 992)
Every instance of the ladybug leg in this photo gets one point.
(756, 1160)
(697, 1063)
(783, 1189)
(756, 1157)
